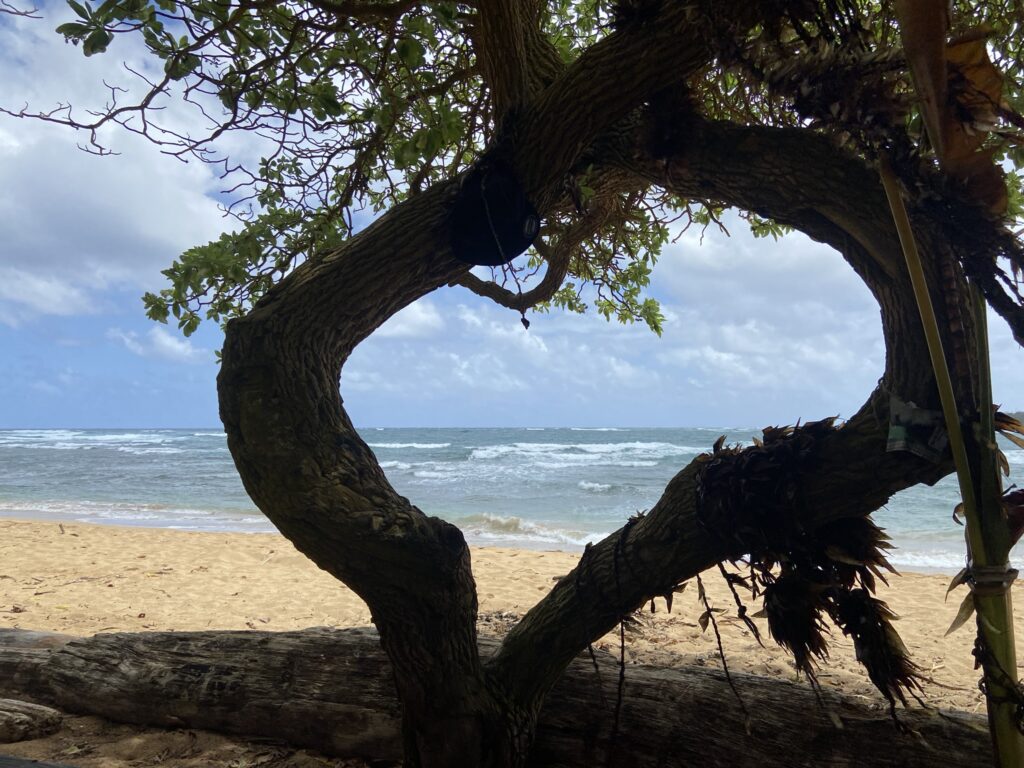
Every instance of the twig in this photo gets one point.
(721, 651)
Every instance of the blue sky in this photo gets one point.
(758, 332)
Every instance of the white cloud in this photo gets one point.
(468, 316)
(755, 330)
(484, 372)
(417, 321)
(129, 339)
(717, 364)
(55, 382)
(160, 344)
(24, 294)
(76, 225)
(45, 387)
(175, 348)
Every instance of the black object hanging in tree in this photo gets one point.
(491, 220)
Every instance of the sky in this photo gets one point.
(757, 332)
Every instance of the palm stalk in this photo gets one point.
(987, 532)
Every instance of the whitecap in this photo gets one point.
(137, 451)
(498, 529)
(586, 485)
(596, 463)
(941, 560)
(424, 446)
(636, 449)
(127, 437)
(429, 474)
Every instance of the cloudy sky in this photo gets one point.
(757, 332)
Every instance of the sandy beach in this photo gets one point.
(84, 579)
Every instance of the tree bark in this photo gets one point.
(22, 720)
(331, 690)
(836, 200)
(307, 469)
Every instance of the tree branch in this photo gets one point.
(366, 11)
(608, 81)
(799, 179)
(517, 59)
(304, 464)
(322, 310)
(558, 257)
(13, 10)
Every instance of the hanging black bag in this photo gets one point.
(491, 220)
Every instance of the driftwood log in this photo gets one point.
(332, 690)
(22, 720)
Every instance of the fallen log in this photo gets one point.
(331, 690)
(21, 721)
(22, 653)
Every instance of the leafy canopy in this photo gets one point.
(357, 105)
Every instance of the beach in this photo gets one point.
(82, 579)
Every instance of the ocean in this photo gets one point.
(529, 488)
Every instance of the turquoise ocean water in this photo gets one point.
(530, 488)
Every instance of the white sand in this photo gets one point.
(83, 579)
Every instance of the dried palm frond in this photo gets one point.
(879, 648)
(793, 606)
(751, 498)
(854, 547)
(1013, 506)
(1009, 427)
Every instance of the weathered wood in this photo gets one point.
(22, 652)
(333, 691)
(20, 721)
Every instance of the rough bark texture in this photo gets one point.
(21, 720)
(836, 200)
(332, 690)
(305, 466)
(22, 654)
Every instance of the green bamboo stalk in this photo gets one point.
(996, 604)
(938, 357)
(986, 534)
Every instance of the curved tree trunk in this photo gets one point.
(307, 469)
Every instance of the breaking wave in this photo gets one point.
(511, 530)
(422, 446)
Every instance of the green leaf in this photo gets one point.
(411, 52)
(960, 578)
(178, 67)
(72, 30)
(156, 307)
(80, 9)
(189, 323)
(97, 42)
(965, 612)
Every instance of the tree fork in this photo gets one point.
(302, 461)
(305, 466)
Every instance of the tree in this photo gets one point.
(611, 119)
